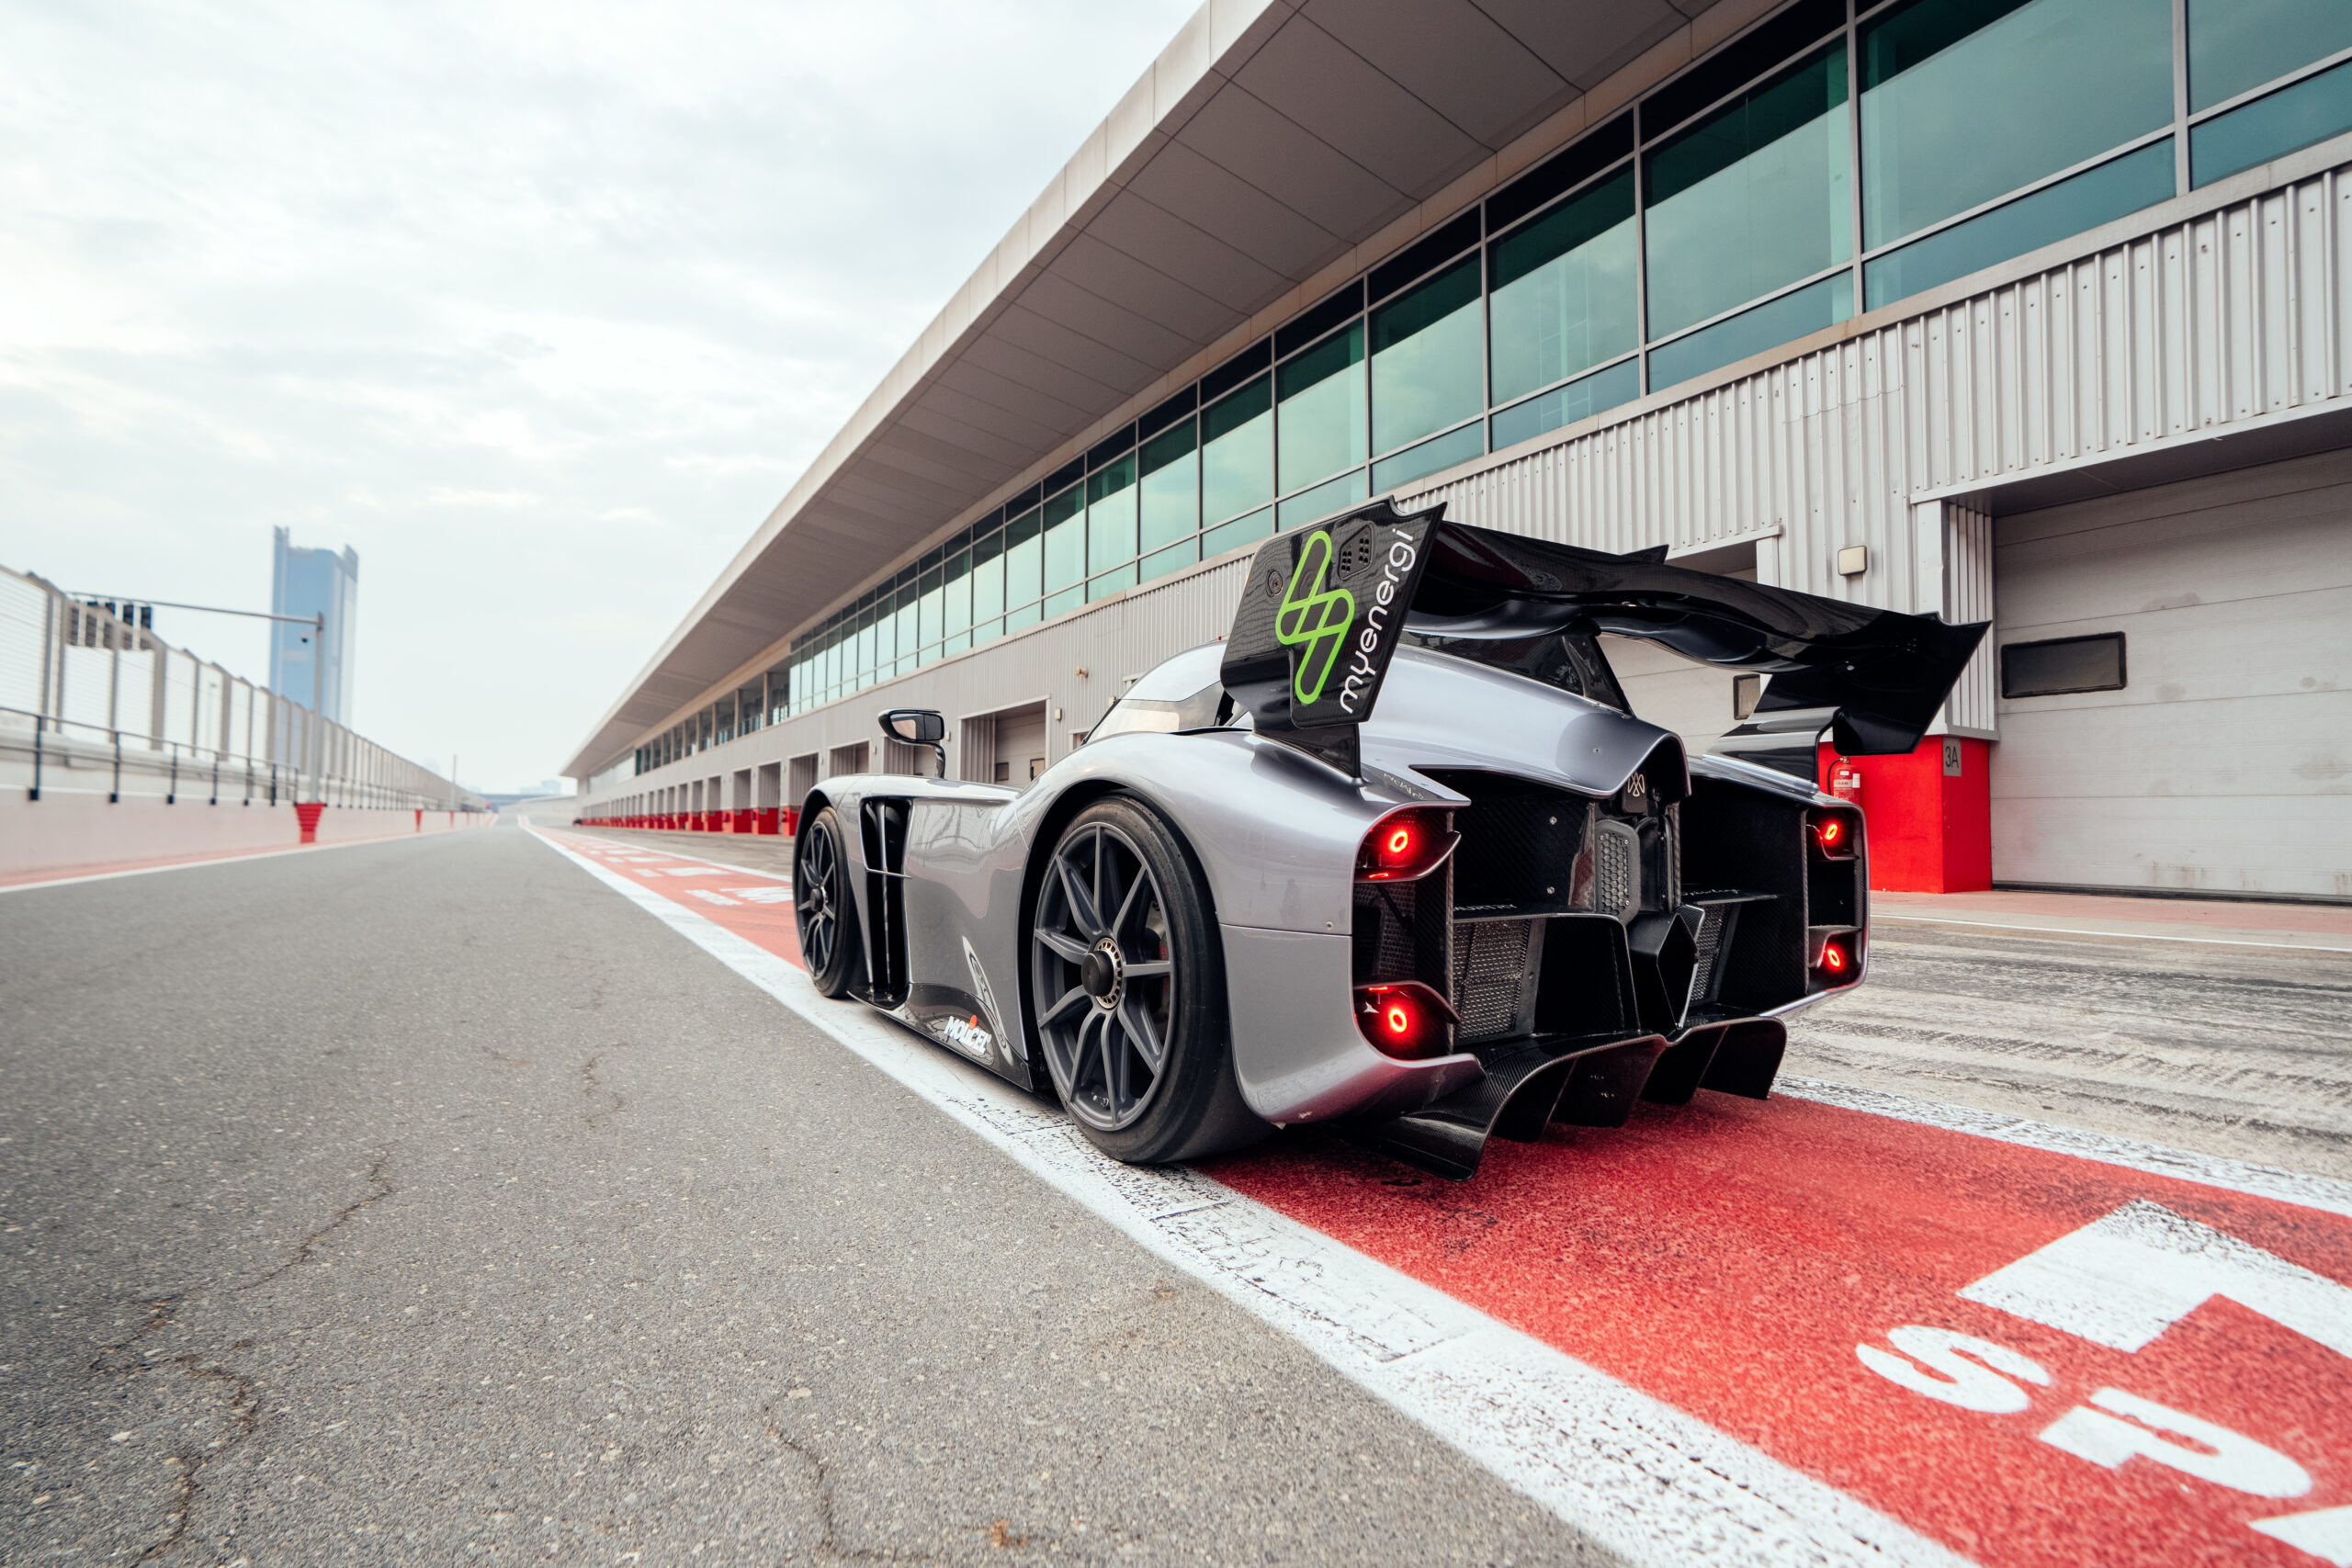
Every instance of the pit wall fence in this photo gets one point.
(118, 747)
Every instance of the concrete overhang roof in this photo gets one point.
(1271, 140)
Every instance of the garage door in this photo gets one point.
(2216, 753)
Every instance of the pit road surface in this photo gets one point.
(426, 1203)
(406, 1089)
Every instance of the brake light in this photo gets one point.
(1840, 963)
(1401, 847)
(1838, 833)
(1405, 1019)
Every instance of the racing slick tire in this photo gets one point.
(1126, 994)
(824, 914)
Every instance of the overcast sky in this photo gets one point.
(541, 307)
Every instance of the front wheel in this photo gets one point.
(1127, 990)
(824, 914)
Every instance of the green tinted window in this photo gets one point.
(1426, 372)
(1331, 495)
(2092, 198)
(1808, 310)
(1065, 538)
(1319, 420)
(903, 637)
(931, 615)
(2235, 46)
(1754, 196)
(1580, 399)
(1023, 553)
(1441, 452)
(2312, 110)
(1111, 515)
(1564, 290)
(1964, 101)
(1170, 507)
(1237, 451)
(987, 586)
(1249, 530)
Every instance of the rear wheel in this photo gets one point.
(822, 909)
(1127, 988)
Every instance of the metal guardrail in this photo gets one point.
(48, 745)
(83, 691)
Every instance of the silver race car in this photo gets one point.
(1396, 855)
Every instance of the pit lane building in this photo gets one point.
(2037, 312)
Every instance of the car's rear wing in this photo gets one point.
(1325, 607)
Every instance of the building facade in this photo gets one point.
(304, 666)
(2034, 313)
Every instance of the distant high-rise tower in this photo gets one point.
(305, 583)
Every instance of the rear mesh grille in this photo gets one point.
(1713, 918)
(1616, 869)
(1489, 973)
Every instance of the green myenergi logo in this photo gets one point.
(1315, 616)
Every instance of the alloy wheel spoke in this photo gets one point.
(1062, 945)
(1137, 890)
(1151, 969)
(1081, 907)
(1114, 1068)
(1136, 1019)
(1072, 998)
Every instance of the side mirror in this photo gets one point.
(919, 726)
(916, 727)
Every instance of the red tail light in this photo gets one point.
(1840, 963)
(1407, 1019)
(1838, 833)
(1406, 846)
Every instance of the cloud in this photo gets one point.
(541, 307)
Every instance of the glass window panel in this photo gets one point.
(1111, 583)
(1808, 310)
(2235, 46)
(988, 589)
(959, 593)
(1237, 451)
(1751, 197)
(1454, 446)
(1175, 557)
(2312, 110)
(1064, 527)
(1249, 530)
(1331, 495)
(1171, 505)
(1068, 599)
(902, 632)
(1020, 616)
(1110, 515)
(863, 673)
(1427, 361)
(1564, 291)
(1319, 424)
(1580, 399)
(2092, 198)
(930, 609)
(1023, 557)
(1965, 99)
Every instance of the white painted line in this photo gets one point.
(2324, 1193)
(229, 858)
(647, 852)
(2127, 936)
(1639, 1476)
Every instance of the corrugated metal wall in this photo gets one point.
(2205, 323)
